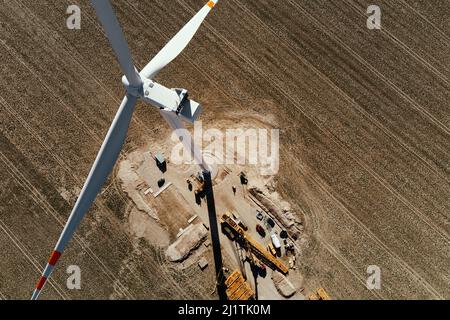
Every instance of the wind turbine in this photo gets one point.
(173, 105)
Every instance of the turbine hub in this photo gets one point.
(134, 91)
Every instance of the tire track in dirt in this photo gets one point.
(402, 45)
(167, 276)
(31, 259)
(163, 265)
(410, 269)
(412, 102)
(362, 88)
(327, 133)
(323, 186)
(316, 238)
(42, 202)
(433, 10)
(59, 160)
(75, 57)
(423, 17)
(335, 253)
(326, 79)
(62, 164)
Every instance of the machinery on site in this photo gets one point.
(243, 178)
(270, 224)
(320, 294)
(229, 232)
(173, 105)
(259, 215)
(198, 181)
(255, 262)
(238, 219)
(260, 230)
(250, 244)
(275, 241)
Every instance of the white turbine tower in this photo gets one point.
(173, 104)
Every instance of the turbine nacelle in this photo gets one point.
(173, 105)
(175, 100)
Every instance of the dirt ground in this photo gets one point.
(168, 214)
(364, 119)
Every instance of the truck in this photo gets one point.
(260, 230)
(270, 223)
(275, 241)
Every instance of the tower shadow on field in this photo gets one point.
(220, 277)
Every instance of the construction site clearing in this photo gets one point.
(260, 238)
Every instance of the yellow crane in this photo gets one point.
(253, 245)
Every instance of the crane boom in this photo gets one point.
(255, 246)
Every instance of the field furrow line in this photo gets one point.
(343, 94)
(42, 202)
(347, 266)
(442, 33)
(329, 134)
(410, 270)
(75, 57)
(413, 103)
(323, 186)
(402, 45)
(30, 258)
(56, 157)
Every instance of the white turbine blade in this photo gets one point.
(177, 44)
(104, 163)
(117, 40)
(185, 137)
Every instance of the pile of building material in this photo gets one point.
(238, 288)
(191, 238)
(283, 285)
(202, 263)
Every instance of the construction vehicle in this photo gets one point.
(260, 230)
(275, 241)
(228, 232)
(253, 245)
(320, 294)
(237, 218)
(256, 262)
(198, 181)
(323, 295)
(270, 223)
(243, 178)
(259, 215)
(237, 288)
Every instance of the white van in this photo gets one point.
(275, 241)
